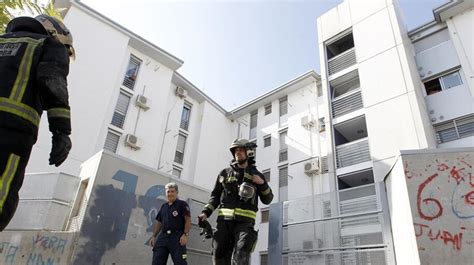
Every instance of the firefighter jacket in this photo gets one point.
(225, 195)
(33, 71)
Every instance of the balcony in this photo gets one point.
(352, 153)
(342, 61)
(312, 230)
(347, 103)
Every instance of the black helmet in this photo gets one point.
(239, 142)
(28, 24)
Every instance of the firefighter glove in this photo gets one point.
(60, 149)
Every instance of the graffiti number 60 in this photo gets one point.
(439, 211)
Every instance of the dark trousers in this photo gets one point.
(233, 243)
(15, 149)
(168, 244)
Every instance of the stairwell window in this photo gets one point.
(444, 82)
(121, 108)
(132, 72)
(111, 141)
(265, 215)
(267, 141)
(185, 116)
(283, 183)
(283, 154)
(179, 154)
(283, 106)
(268, 109)
(253, 125)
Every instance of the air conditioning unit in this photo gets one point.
(132, 141)
(312, 166)
(307, 121)
(181, 92)
(142, 102)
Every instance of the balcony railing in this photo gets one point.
(342, 61)
(347, 103)
(352, 153)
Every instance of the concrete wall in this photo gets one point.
(51, 248)
(46, 202)
(123, 199)
(437, 187)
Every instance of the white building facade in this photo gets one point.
(333, 136)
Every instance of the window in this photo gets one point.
(442, 83)
(324, 164)
(176, 172)
(267, 141)
(266, 174)
(253, 125)
(283, 106)
(283, 147)
(111, 141)
(121, 110)
(283, 183)
(263, 259)
(179, 155)
(132, 72)
(455, 129)
(268, 109)
(265, 215)
(185, 115)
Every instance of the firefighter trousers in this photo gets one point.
(15, 149)
(233, 243)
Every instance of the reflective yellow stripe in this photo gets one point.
(267, 191)
(22, 110)
(226, 212)
(237, 211)
(246, 213)
(59, 113)
(210, 207)
(24, 72)
(25, 39)
(7, 177)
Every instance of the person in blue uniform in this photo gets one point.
(171, 230)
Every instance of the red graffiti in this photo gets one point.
(407, 172)
(445, 236)
(442, 167)
(467, 164)
(469, 197)
(471, 180)
(456, 239)
(455, 174)
(428, 200)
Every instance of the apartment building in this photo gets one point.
(325, 142)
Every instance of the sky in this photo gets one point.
(237, 50)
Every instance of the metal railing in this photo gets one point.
(312, 236)
(352, 153)
(347, 103)
(342, 61)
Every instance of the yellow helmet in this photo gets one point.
(58, 30)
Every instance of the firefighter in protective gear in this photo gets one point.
(34, 64)
(235, 198)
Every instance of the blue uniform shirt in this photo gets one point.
(172, 216)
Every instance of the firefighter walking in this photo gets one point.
(34, 64)
(235, 198)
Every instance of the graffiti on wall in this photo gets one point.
(442, 199)
(34, 249)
